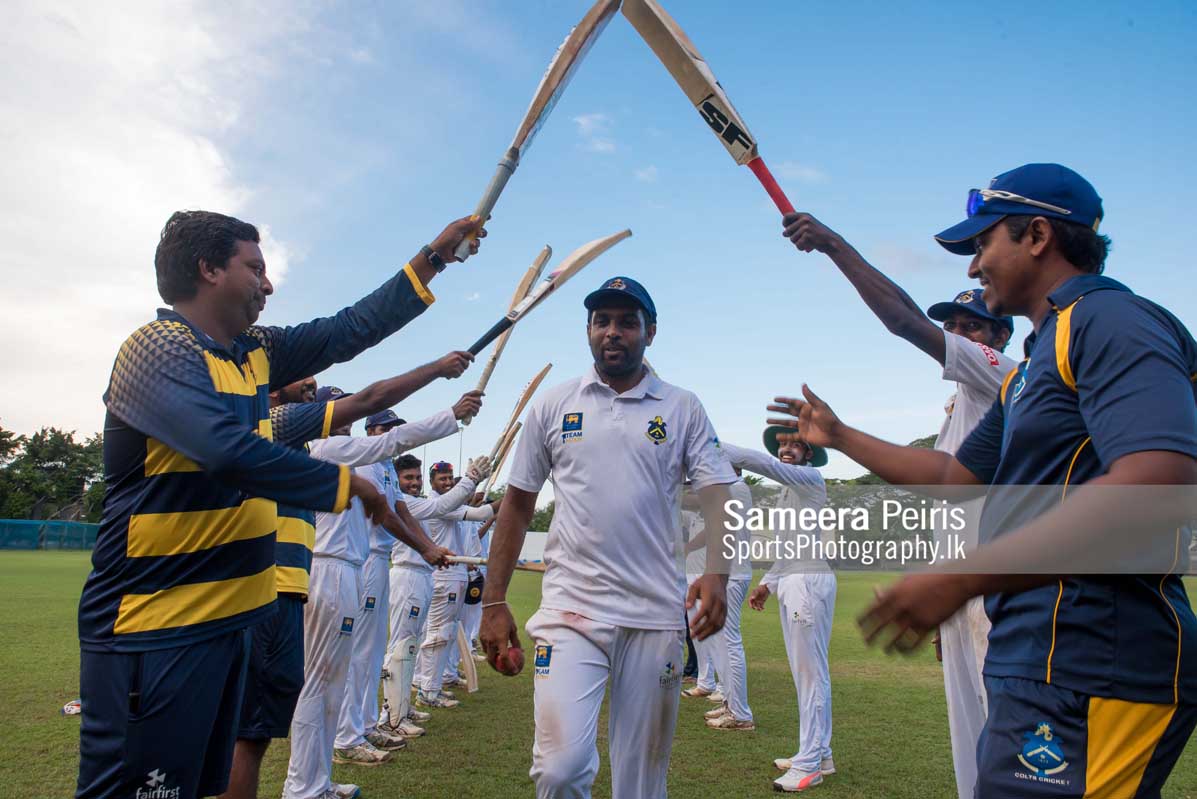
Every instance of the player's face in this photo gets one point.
(411, 482)
(299, 391)
(972, 327)
(1005, 270)
(618, 337)
(442, 482)
(793, 453)
(245, 287)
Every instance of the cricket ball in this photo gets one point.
(511, 663)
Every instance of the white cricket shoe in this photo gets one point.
(722, 710)
(361, 755)
(386, 740)
(827, 766)
(716, 697)
(405, 729)
(345, 790)
(418, 716)
(696, 692)
(457, 681)
(730, 722)
(479, 656)
(440, 701)
(794, 780)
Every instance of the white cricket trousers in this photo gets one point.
(709, 679)
(807, 605)
(728, 652)
(329, 618)
(359, 711)
(411, 594)
(964, 639)
(447, 599)
(574, 659)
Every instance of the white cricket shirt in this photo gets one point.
(424, 510)
(617, 463)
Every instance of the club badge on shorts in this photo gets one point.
(347, 625)
(544, 655)
(414, 613)
(1041, 753)
(371, 602)
(656, 431)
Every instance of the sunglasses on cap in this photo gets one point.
(978, 197)
(441, 466)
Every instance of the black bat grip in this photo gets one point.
(490, 335)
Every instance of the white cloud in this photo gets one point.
(803, 173)
(647, 175)
(473, 297)
(122, 111)
(595, 132)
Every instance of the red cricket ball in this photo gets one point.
(512, 663)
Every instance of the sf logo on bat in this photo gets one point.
(721, 121)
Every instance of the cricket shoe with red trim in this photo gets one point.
(795, 781)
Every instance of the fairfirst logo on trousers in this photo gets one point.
(156, 787)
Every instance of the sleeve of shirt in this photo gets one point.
(303, 350)
(482, 514)
(705, 462)
(358, 451)
(532, 462)
(1133, 381)
(766, 465)
(161, 387)
(981, 452)
(425, 431)
(975, 365)
(440, 505)
(297, 423)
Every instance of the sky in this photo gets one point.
(351, 133)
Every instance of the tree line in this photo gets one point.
(51, 475)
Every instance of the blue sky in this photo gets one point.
(353, 132)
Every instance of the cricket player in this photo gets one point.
(1091, 678)
(334, 607)
(184, 561)
(275, 673)
(448, 593)
(806, 603)
(617, 442)
(970, 348)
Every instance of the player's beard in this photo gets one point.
(630, 363)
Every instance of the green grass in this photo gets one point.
(890, 740)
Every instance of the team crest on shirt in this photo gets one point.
(414, 613)
(1042, 755)
(571, 426)
(656, 432)
(347, 625)
(670, 676)
(544, 655)
(371, 602)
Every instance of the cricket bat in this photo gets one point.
(681, 58)
(573, 263)
(467, 560)
(565, 62)
(467, 659)
(520, 404)
(525, 285)
(501, 457)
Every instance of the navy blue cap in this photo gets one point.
(329, 393)
(968, 300)
(386, 417)
(1050, 184)
(622, 288)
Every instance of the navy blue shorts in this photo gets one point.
(275, 672)
(1041, 740)
(163, 722)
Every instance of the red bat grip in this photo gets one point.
(757, 165)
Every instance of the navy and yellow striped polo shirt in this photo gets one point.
(186, 547)
(295, 424)
(1108, 374)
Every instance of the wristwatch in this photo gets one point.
(437, 262)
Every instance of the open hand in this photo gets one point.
(812, 420)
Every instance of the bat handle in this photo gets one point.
(482, 381)
(498, 182)
(757, 165)
(490, 335)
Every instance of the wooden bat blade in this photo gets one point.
(573, 263)
(467, 659)
(529, 390)
(561, 69)
(531, 567)
(679, 55)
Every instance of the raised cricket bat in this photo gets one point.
(681, 58)
(520, 404)
(525, 285)
(501, 457)
(556, 77)
(572, 264)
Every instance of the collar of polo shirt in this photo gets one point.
(649, 385)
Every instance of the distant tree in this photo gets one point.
(48, 472)
(542, 518)
(753, 480)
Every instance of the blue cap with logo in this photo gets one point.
(1047, 190)
(387, 417)
(625, 289)
(969, 301)
(329, 394)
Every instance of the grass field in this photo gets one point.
(891, 731)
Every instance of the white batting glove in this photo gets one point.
(478, 469)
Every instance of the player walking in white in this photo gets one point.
(334, 602)
(969, 347)
(617, 443)
(448, 594)
(707, 685)
(358, 721)
(806, 602)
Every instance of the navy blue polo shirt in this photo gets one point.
(1108, 374)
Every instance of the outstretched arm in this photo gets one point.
(885, 298)
(383, 394)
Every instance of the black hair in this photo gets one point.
(1081, 246)
(190, 237)
(407, 461)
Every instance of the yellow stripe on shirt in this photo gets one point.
(326, 428)
(161, 459)
(227, 378)
(165, 534)
(194, 603)
(296, 531)
(292, 580)
(342, 491)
